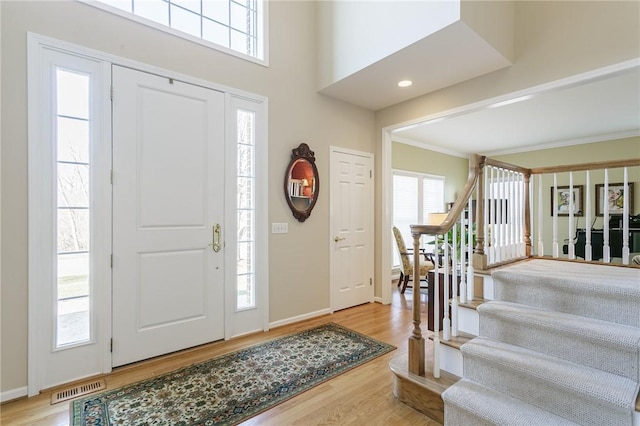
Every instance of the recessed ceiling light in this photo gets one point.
(405, 83)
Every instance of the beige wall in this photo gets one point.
(299, 260)
(414, 159)
(554, 39)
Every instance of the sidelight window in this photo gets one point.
(72, 119)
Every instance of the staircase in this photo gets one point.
(558, 345)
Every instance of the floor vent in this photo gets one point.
(76, 391)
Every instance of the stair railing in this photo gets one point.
(581, 202)
(495, 229)
(453, 220)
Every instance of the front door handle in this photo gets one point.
(216, 238)
(337, 239)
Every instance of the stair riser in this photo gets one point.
(621, 360)
(468, 320)
(543, 393)
(451, 360)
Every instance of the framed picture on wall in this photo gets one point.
(614, 197)
(564, 196)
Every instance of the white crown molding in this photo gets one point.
(417, 144)
(567, 142)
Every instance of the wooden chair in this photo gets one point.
(406, 272)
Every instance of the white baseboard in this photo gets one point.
(299, 318)
(13, 394)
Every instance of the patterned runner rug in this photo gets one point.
(233, 387)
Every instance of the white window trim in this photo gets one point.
(264, 24)
(36, 43)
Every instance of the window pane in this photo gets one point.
(239, 17)
(156, 10)
(405, 208)
(73, 321)
(73, 140)
(185, 21)
(217, 10)
(73, 94)
(73, 185)
(192, 5)
(240, 42)
(245, 160)
(73, 299)
(245, 193)
(245, 225)
(73, 230)
(214, 32)
(246, 292)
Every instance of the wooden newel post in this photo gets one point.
(416, 341)
(479, 256)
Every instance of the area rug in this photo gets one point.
(232, 388)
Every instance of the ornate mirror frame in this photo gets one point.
(302, 182)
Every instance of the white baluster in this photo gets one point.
(470, 269)
(436, 316)
(571, 252)
(540, 227)
(498, 225)
(555, 216)
(488, 218)
(606, 250)
(446, 322)
(625, 220)
(587, 224)
(464, 254)
(454, 281)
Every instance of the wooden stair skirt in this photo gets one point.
(423, 394)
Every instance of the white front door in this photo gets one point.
(351, 210)
(168, 177)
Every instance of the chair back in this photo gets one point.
(402, 249)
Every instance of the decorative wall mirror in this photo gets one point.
(301, 182)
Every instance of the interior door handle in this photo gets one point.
(216, 238)
(336, 239)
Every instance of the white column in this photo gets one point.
(571, 252)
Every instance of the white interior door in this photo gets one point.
(168, 174)
(351, 205)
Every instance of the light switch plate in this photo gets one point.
(279, 228)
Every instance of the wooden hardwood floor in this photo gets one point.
(362, 395)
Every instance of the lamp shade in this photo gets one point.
(436, 218)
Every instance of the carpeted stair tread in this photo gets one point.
(582, 394)
(608, 293)
(470, 403)
(611, 347)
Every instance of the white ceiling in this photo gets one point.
(585, 111)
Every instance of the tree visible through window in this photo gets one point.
(233, 24)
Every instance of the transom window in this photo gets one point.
(233, 24)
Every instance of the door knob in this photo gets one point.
(336, 239)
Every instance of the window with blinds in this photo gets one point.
(414, 196)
